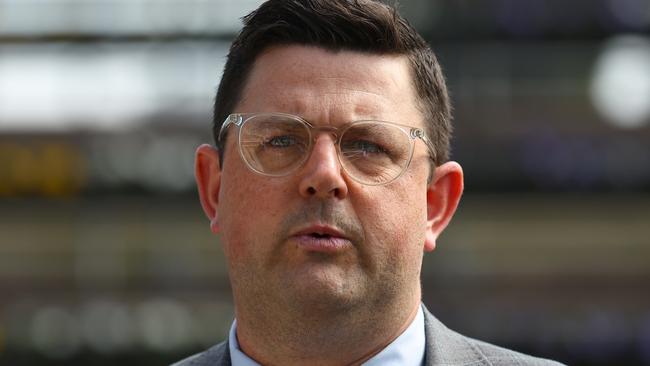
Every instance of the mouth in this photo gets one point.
(321, 238)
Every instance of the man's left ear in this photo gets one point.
(443, 195)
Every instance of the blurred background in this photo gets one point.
(106, 258)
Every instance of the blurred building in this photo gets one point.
(105, 256)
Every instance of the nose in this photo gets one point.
(321, 176)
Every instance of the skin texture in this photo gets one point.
(298, 303)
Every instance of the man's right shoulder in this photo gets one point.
(218, 355)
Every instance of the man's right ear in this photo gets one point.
(207, 172)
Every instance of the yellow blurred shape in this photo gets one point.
(48, 168)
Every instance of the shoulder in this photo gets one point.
(497, 356)
(218, 355)
(447, 347)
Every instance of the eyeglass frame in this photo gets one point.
(239, 119)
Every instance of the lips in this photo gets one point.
(321, 238)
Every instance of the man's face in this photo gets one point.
(317, 239)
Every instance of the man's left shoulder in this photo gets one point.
(449, 348)
(498, 356)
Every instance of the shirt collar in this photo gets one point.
(237, 356)
(406, 350)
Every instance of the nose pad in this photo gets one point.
(322, 173)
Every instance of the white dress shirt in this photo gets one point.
(406, 350)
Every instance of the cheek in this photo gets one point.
(249, 209)
(246, 195)
(396, 221)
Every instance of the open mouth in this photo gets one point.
(320, 236)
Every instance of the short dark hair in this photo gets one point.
(354, 25)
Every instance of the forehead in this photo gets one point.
(318, 83)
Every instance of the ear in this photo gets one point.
(207, 172)
(443, 195)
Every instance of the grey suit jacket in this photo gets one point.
(444, 347)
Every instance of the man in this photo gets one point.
(329, 180)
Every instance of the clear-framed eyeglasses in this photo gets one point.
(370, 152)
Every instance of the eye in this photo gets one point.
(364, 147)
(282, 141)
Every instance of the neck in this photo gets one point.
(321, 338)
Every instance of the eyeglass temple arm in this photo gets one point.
(235, 119)
(419, 133)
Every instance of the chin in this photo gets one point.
(324, 291)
